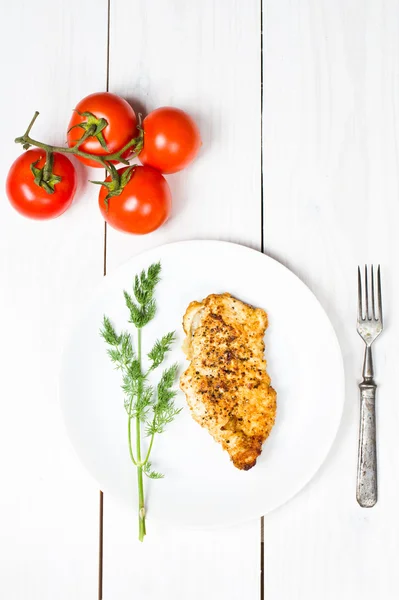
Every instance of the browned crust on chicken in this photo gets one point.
(226, 385)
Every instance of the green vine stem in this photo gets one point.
(136, 143)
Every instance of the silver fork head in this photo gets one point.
(369, 308)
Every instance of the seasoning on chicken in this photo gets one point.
(226, 385)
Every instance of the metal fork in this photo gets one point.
(369, 327)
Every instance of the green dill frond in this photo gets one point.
(152, 278)
(144, 285)
(133, 309)
(154, 273)
(128, 404)
(141, 294)
(168, 377)
(134, 370)
(108, 333)
(161, 419)
(115, 356)
(150, 310)
(164, 408)
(143, 403)
(129, 386)
(160, 348)
(150, 473)
(140, 315)
(126, 347)
(145, 314)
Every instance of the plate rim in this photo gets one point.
(105, 283)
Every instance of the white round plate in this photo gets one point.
(201, 487)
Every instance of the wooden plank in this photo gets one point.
(52, 54)
(331, 202)
(203, 57)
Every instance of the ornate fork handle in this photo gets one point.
(366, 492)
(369, 327)
(366, 489)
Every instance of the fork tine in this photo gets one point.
(374, 316)
(366, 285)
(379, 295)
(359, 296)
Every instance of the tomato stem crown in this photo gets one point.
(97, 132)
(45, 177)
(116, 183)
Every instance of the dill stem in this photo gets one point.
(129, 435)
(142, 528)
(149, 448)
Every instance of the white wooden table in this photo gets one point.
(321, 197)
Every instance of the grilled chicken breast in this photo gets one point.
(226, 385)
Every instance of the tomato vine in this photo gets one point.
(92, 127)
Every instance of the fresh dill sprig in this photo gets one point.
(150, 407)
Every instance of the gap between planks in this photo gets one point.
(101, 503)
(262, 242)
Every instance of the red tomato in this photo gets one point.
(144, 204)
(30, 199)
(121, 127)
(171, 140)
